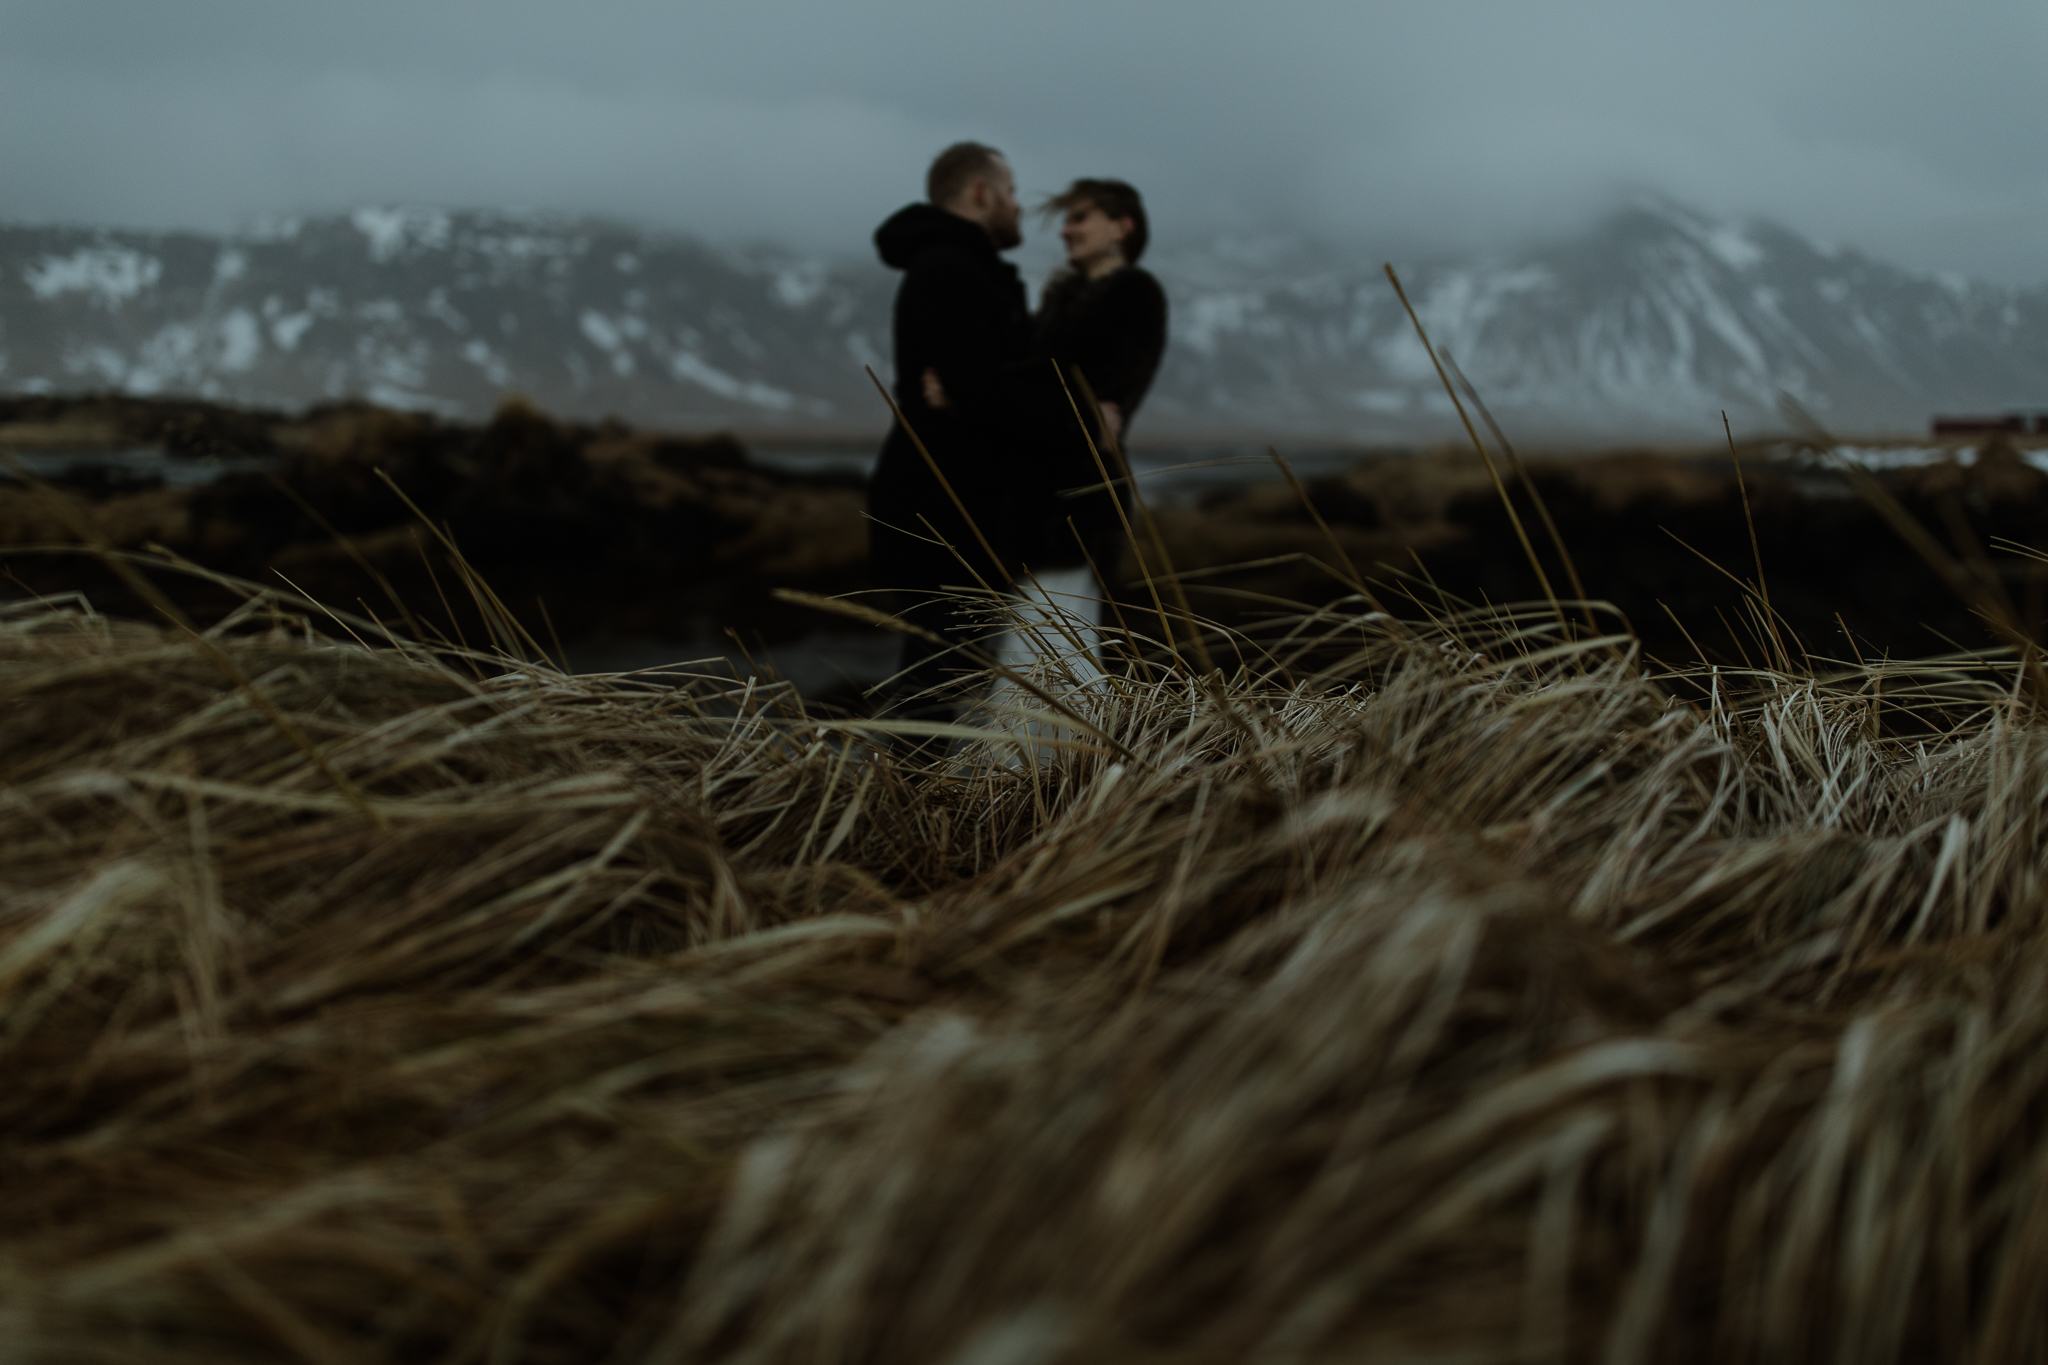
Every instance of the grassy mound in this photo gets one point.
(1478, 998)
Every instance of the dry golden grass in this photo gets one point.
(1473, 999)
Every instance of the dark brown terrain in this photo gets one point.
(638, 534)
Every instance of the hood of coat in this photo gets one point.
(910, 230)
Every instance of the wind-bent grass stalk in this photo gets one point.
(1507, 447)
(1144, 515)
(940, 475)
(1508, 503)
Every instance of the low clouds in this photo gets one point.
(1401, 129)
(213, 155)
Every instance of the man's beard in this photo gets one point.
(1007, 233)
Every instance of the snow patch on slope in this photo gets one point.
(392, 232)
(108, 275)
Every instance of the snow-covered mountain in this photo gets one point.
(1652, 321)
(447, 312)
(1655, 320)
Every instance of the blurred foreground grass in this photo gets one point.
(1476, 996)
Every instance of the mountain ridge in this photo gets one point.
(1650, 322)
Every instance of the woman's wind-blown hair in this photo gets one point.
(1117, 198)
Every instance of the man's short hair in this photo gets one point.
(958, 167)
(1116, 199)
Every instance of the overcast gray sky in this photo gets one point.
(1909, 129)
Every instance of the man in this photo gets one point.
(960, 319)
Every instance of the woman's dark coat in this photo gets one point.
(1112, 331)
(960, 311)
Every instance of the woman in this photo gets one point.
(1102, 321)
(1101, 324)
(1101, 314)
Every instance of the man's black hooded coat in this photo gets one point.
(960, 311)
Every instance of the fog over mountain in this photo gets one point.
(1905, 127)
(1649, 323)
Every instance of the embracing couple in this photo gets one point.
(986, 387)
